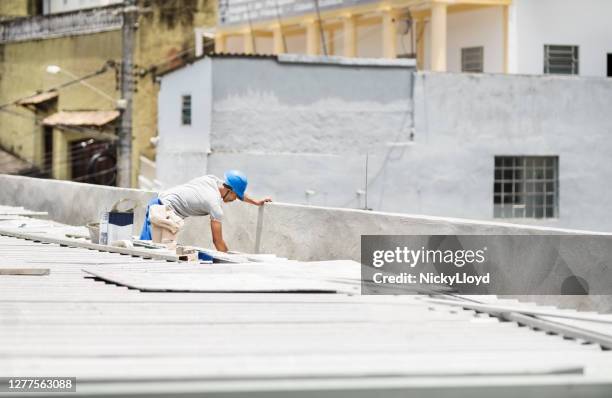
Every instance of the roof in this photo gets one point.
(122, 341)
(39, 98)
(333, 60)
(81, 118)
(191, 60)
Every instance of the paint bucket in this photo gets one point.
(203, 256)
(94, 231)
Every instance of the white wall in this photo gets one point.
(476, 28)
(586, 23)
(464, 120)
(184, 147)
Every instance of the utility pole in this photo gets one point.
(124, 161)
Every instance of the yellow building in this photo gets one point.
(60, 131)
(408, 28)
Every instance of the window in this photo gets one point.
(186, 110)
(472, 59)
(609, 65)
(561, 60)
(526, 187)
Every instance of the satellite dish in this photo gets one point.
(405, 23)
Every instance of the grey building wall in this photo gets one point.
(268, 106)
(306, 113)
(305, 132)
(182, 150)
(464, 120)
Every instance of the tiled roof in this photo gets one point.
(81, 118)
(39, 98)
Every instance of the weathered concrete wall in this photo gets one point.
(163, 39)
(463, 121)
(266, 110)
(22, 72)
(14, 8)
(67, 202)
(280, 107)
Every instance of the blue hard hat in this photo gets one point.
(237, 181)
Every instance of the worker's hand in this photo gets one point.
(262, 201)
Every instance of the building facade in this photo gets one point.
(50, 43)
(374, 134)
(493, 36)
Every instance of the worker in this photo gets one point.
(204, 196)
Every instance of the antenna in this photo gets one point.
(366, 181)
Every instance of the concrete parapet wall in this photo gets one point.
(67, 202)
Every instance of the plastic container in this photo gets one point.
(203, 256)
(94, 231)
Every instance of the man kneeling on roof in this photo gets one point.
(201, 196)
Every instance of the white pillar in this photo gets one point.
(220, 42)
(247, 42)
(313, 38)
(349, 31)
(389, 34)
(438, 37)
(277, 38)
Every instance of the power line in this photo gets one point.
(73, 155)
(321, 31)
(280, 25)
(253, 42)
(60, 86)
(75, 129)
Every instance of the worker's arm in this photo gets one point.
(255, 202)
(217, 236)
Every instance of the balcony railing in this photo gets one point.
(79, 22)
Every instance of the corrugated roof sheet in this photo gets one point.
(119, 341)
(39, 98)
(81, 118)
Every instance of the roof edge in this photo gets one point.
(346, 61)
(332, 60)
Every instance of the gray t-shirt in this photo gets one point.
(198, 197)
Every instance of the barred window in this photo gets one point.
(472, 59)
(526, 187)
(186, 110)
(561, 60)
